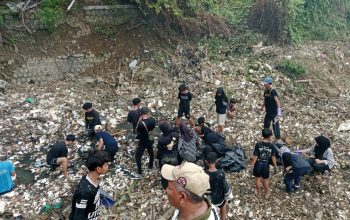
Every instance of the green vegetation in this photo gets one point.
(299, 89)
(233, 12)
(1, 21)
(106, 30)
(50, 13)
(317, 20)
(238, 45)
(292, 69)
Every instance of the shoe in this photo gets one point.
(135, 177)
(296, 188)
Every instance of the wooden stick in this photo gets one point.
(303, 81)
(132, 27)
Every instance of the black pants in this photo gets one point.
(321, 167)
(275, 125)
(111, 150)
(139, 152)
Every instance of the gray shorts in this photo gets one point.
(221, 119)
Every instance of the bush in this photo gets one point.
(50, 13)
(292, 69)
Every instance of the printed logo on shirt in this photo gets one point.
(265, 152)
(82, 204)
(184, 97)
(94, 215)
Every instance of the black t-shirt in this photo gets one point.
(264, 151)
(56, 151)
(221, 104)
(142, 131)
(218, 187)
(92, 119)
(133, 117)
(270, 102)
(86, 201)
(185, 99)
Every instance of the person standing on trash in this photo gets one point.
(294, 168)
(184, 105)
(57, 155)
(92, 118)
(273, 110)
(7, 175)
(220, 191)
(187, 184)
(106, 142)
(167, 148)
(221, 103)
(263, 151)
(144, 128)
(134, 114)
(322, 158)
(86, 198)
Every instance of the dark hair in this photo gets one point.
(201, 120)
(182, 88)
(70, 137)
(87, 105)
(212, 157)
(136, 101)
(266, 132)
(233, 101)
(144, 110)
(97, 158)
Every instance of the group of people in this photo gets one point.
(188, 155)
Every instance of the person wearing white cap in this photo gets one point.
(187, 184)
(273, 110)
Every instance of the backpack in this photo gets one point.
(188, 150)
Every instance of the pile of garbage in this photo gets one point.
(35, 117)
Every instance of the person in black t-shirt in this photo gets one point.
(220, 191)
(86, 199)
(184, 105)
(167, 148)
(272, 106)
(92, 118)
(263, 151)
(106, 142)
(134, 114)
(57, 155)
(221, 102)
(144, 128)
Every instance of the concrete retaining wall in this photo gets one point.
(42, 70)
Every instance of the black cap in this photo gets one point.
(144, 110)
(87, 105)
(136, 101)
(70, 137)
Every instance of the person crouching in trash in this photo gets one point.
(106, 142)
(294, 168)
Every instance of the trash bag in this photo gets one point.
(106, 200)
(233, 160)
